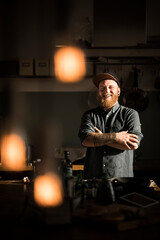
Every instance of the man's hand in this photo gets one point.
(128, 140)
(123, 140)
(97, 130)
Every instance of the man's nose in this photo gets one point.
(107, 89)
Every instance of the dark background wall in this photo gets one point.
(64, 111)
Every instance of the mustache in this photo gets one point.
(104, 102)
(107, 95)
(103, 98)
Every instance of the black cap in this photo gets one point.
(103, 76)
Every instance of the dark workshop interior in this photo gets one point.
(41, 110)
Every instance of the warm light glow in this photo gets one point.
(69, 64)
(13, 152)
(48, 190)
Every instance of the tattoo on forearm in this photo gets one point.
(99, 140)
(103, 139)
(114, 137)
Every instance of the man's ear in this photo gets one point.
(119, 91)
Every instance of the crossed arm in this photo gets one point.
(120, 140)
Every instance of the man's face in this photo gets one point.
(108, 92)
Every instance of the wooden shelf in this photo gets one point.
(123, 52)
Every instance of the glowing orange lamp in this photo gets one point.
(13, 152)
(48, 190)
(69, 63)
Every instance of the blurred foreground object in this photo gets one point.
(48, 190)
(13, 152)
(69, 64)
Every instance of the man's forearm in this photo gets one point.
(98, 139)
(104, 139)
(121, 140)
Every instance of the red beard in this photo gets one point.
(107, 104)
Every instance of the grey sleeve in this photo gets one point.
(133, 124)
(86, 126)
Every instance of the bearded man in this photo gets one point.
(111, 132)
